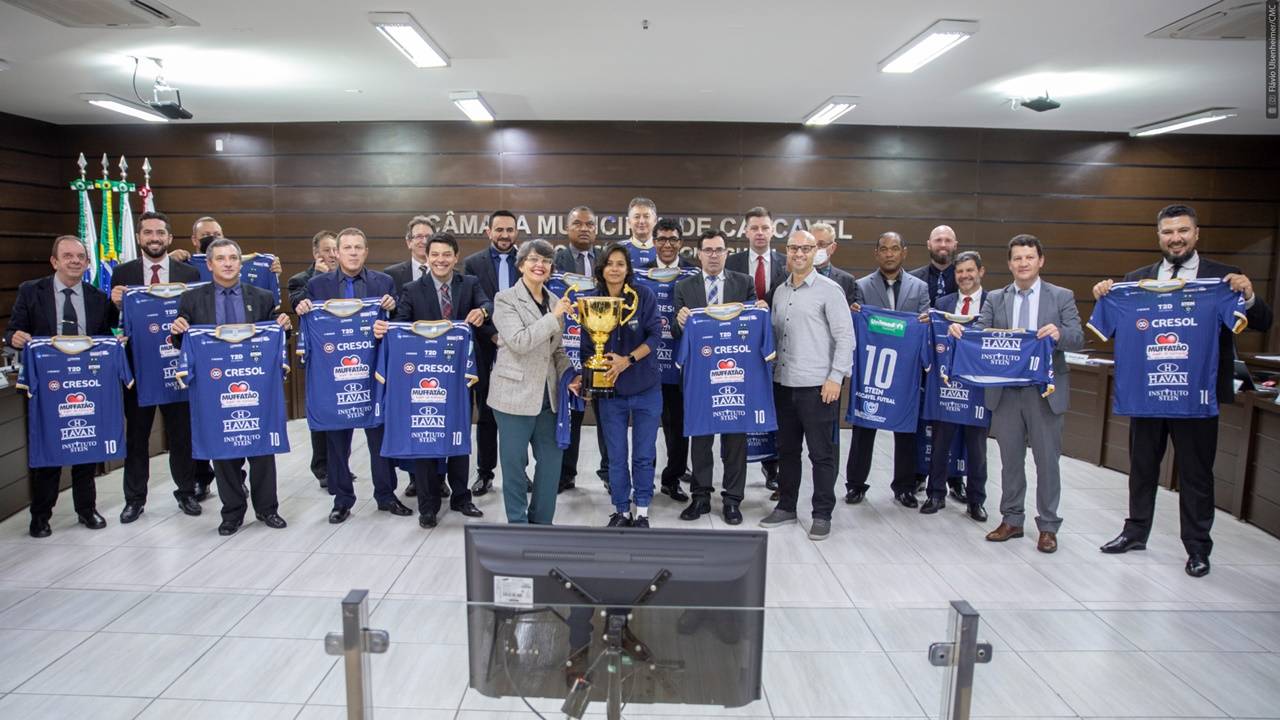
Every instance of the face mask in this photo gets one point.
(820, 257)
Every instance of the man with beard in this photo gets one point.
(939, 274)
(151, 267)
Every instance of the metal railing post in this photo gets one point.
(355, 643)
(959, 655)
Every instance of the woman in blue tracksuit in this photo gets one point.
(631, 352)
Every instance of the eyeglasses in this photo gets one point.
(713, 251)
(666, 241)
(536, 260)
(419, 238)
(805, 249)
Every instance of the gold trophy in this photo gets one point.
(599, 316)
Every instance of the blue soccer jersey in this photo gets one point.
(956, 400)
(570, 285)
(892, 352)
(567, 403)
(924, 451)
(76, 401)
(234, 375)
(1166, 335)
(339, 351)
(147, 314)
(1001, 358)
(641, 256)
(725, 354)
(662, 281)
(255, 270)
(423, 372)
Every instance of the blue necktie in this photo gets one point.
(229, 307)
(504, 277)
(349, 287)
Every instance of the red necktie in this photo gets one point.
(964, 310)
(760, 289)
(155, 274)
(446, 302)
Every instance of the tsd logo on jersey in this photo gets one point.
(350, 367)
(1168, 346)
(728, 397)
(727, 371)
(78, 429)
(427, 418)
(238, 394)
(355, 394)
(428, 391)
(1168, 374)
(241, 421)
(74, 404)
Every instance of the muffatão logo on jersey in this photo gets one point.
(76, 403)
(238, 394)
(887, 325)
(428, 391)
(350, 367)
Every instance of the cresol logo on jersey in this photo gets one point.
(428, 391)
(427, 418)
(726, 369)
(1168, 374)
(355, 394)
(1168, 346)
(238, 394)
(241, 421)
(350, 367)
(887, 326)
(78, 429)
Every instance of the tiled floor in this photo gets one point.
(165, 619)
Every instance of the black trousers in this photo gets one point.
(975, 464)
(803, 419)
(44, 489)
(673, 434)
(262, 484)
(486, 425)
(1195, 443)
(863, 442)
(137, 441)
(319, 455)
(733, 453)
(429, 472)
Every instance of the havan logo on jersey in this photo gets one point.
(728, 397)
(427, 418)
(1168, 346)
(429, 391)
(240, 421)
(78, 429)
(727, 370)
(76, 403)
(1169, 375)
(355, 394)
(238, 394)
(350, 367)
(954, 398)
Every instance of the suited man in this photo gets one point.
(151, 267)
(353, 280)
(495, 266)
(579, 258)
(892, 288)
(442, 294)
(714, 285)
(1019, 414)
(61, 304)
(1195, 440)
(967, 302)
(203, 232)
(324, 253)
(939, 274)
(228, 301)
(825, 235)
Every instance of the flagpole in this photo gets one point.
(107, 236)
(128, 240)
(148, 198)
(85, 227)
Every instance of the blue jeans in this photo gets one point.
(644, 411)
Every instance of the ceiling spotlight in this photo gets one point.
(124, 107)
(830, 110)
(472, 105)
(1043, 103)
(1182, 122)
(402, 31)
(922, 49)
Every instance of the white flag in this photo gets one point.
(128, 238)
(90, 239)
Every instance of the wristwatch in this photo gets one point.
(632, 358)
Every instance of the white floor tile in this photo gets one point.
(299, 618)
(227, 569)
(1055, 630)
(40, 565)
(1178, 631)
(340, 573)
(1004, 586)
(1005, 687)
(436, 620)
(89, 610)
(61, 707)
(804, 586)
(1118, 684)
(912, 629)
(132, 567)
(121, 665)
(27, 652)
(185, 614)
(164, 709)
(898, 586)
(426, 576)
(409, 676)
(1240, 684)
(255, 670)
(792, 629)
(836, 684)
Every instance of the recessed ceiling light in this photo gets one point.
(124, 107)
(937, 39)
(472, 105)
(830, 110)
(402, 31)
(353, 91)
(1182, 122)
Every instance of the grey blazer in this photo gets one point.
(531, 358)
(913, 293)
(1057, 306)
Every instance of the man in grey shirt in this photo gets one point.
(813, 333)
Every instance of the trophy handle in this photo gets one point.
(635, 304)
(573, 301)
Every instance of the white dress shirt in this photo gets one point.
(975, 303)
(657, 262)
(754, 259)
(146, 269)
(1034, 299)
(417, 269)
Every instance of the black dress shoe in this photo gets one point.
(202, 493)
(91, 520)
(958, 491)
(619, 520)
(324, 483)
(187, 505)
(411, 490)
(444, 490)
(427, 520)
(482, 485)
(773, 497)
(273, 521)
(640, 521)
(675, 493)
(469, 510)
(566, 483)
(40, 529)
(906, 500)
(699, 507)
(133, 512)
(395, 507)
(977, 512)
(1198, 565)
(1123, 544)
(855, 496)
(228, 528)
(932, 505)
(732, 515)
(339, 515)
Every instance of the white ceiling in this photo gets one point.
(710, 60)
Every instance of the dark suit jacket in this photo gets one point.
(691, 292)
(565, 261)
(480, 266)
(737, 262)
(949, 302)
(1259, 317)
(325, 286)
(847, 283)
(401, 273)
(922, 272)
(133, 273)
(34, 311)
(421, 301)
(298, 286)
(197, 306)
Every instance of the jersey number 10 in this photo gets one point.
(880, 365)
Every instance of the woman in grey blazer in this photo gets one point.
(525, 384)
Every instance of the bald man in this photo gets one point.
(939, 274)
